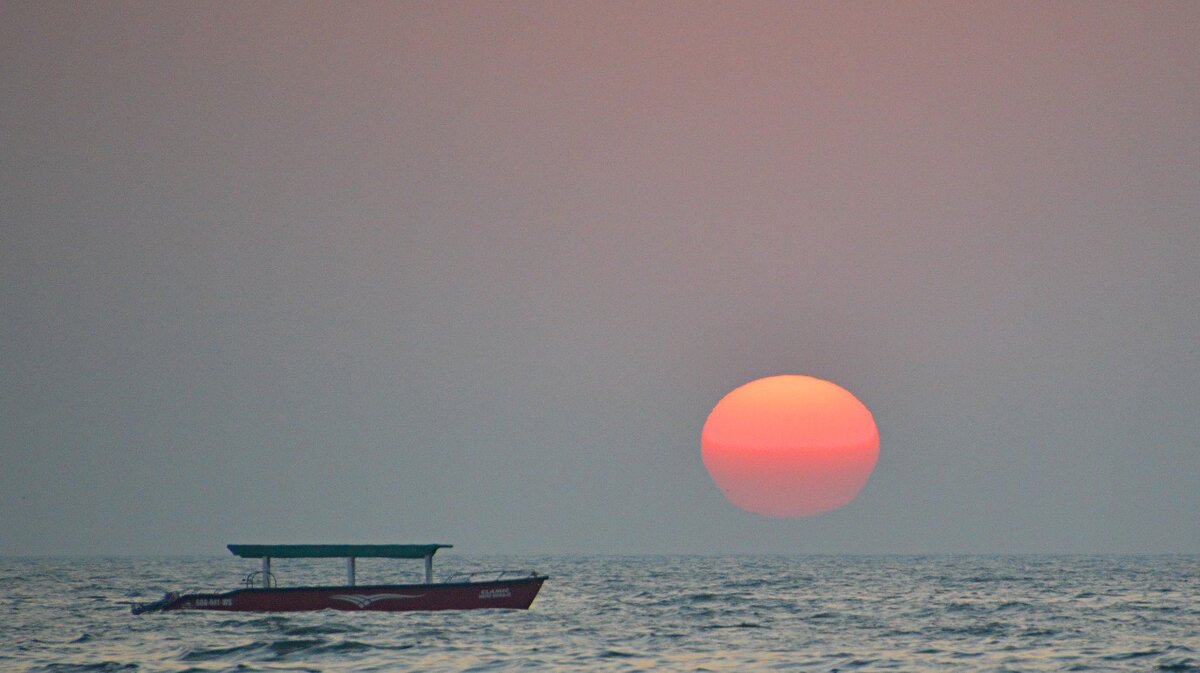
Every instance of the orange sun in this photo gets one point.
(790, 446)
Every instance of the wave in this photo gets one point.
(103, 666)
(219, 653)
(1180, 666)
(321, 630)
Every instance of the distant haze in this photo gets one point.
(476, 273)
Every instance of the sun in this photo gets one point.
(790, 446)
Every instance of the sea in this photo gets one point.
(620, 613)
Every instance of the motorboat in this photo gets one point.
(510, 589)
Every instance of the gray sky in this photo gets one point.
(476, 273)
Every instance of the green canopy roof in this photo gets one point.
(335, 550)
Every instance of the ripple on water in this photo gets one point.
(80, 668)
(321, 629)
(1181, 665)
(231, 653)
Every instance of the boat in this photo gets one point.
(510, 589)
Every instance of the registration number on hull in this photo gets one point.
(503, 592)
(213, 602)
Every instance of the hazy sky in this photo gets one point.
(476, 273)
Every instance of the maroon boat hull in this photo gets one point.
(514, 594)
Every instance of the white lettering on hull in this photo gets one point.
(213, 602)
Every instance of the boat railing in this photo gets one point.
(487, 576)
(255, 580)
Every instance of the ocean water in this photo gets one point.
(811, 613)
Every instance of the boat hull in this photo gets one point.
(512, 594)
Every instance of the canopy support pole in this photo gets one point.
(350, 571)
(266, 573)
(429, 568)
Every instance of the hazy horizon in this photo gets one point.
(335, 565)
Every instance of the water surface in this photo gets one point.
(819, 613)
